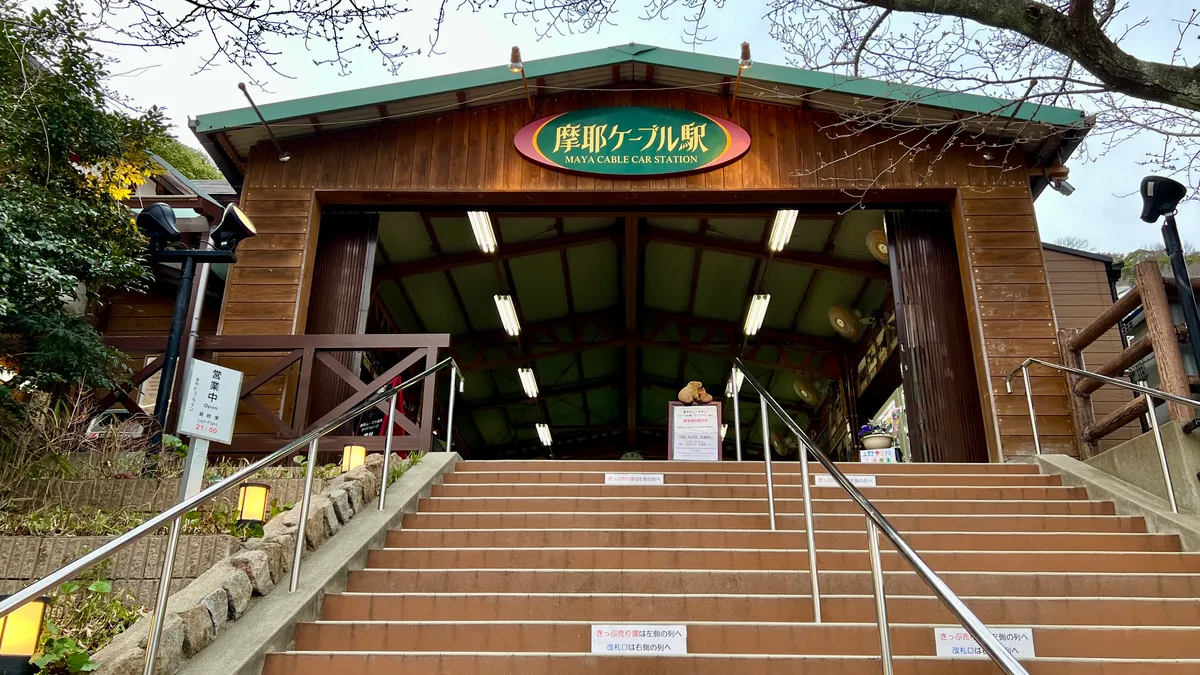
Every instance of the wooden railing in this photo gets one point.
(288, 363)
(1162, 339)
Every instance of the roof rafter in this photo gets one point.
(866, 268)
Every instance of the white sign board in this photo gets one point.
(210, 402)
(857, 480)
(884, 456)
(639, 640)
(634, 479)
(956, 643)
(696, 433)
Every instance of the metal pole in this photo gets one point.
(387, 451)
(885, 637)
(1187, 299)
(1162, 455)
(166, 380)
(737, 417)
(809, 532)
(160, 602)
(310, 468)
(450, 413)
(1037, 442)
(766, 434)
(197, 456)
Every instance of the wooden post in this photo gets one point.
(1081, 404)
(1161, 327)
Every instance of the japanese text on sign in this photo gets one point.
(956, 643)
(857, 480)
(696, 432)
(210, 402)
(595, 139)
(884, 456)
(634, 479)
(667, 640)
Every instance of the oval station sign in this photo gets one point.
(632, 141)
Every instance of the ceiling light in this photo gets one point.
(781, 231)
(508, 315)
(758, 312)
(528, 381)
(735, 382)
(543, 431)
(481, 225)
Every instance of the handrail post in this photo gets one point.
(1037, 442)
(454, 384)
(885, 636)
(809, 533)
(302, 530)
(766, 434)
(387, 451)
(737, 415)
(1162, 455)
(160, 602)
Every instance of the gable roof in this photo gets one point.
(238, 130)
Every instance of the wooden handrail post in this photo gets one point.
(1081, 404)
(1161, 328)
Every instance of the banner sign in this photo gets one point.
(639, 640)
(632, 141)
(954, 642)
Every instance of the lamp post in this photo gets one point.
(1160, 197)
(158, 223)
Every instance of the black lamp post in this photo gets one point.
(1160, 197)
(158, 223)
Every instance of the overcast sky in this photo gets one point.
(1101, 209)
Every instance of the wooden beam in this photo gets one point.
(1161, 328)
(1116, 419)
(570, 293)
(223, 141)
(1082, 411)
(866, 268)
(775, 338)
(632, 264)
(546, 393)
(697, 259)
(1107, 319)
(1114, 367)
(505, 252)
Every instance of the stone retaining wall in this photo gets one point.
(144, 494)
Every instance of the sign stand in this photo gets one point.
(209, 413)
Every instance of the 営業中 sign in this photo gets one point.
(694, 432)
(634, 479)
(632, 141)
(210, 402)
(640, 640)
(956, 643)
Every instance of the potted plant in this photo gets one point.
(876, 435)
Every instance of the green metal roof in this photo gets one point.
(644, 54)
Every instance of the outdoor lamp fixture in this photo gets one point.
(735, 382)
(781, 231)
(745, 62)
(508, 314)
(528, 382)
(514, 61)
(252, 503)
(481, 226)
(157, 222)
(1161, 197)
(758, 312)
(352, 456)
(19, 635)
(543, 431)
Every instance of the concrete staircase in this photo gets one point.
(504, 570)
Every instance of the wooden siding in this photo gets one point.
(1079, 291)
(467, 157)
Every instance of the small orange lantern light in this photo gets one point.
(252, 503)
(352, 456)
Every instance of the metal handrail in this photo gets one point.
(172, 515)
(1150, 395)
(876, 521)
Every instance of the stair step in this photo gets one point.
(779, 467)
(673, 477)
(755, 506)
(729, 638)
(754, 491)
(512, 663)
(855, 539)
(750, 521)
(996, 584)
(659, 608)
(774, 559)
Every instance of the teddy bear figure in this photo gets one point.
(694, 393)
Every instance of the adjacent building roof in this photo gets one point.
(236, 131)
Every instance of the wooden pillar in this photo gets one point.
(1081, 404)
(1161, 327)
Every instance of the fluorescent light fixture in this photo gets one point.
(758, 312)
(528, 381)
(781, 231)
(508, 315)
(481, 226)
(724, 428)
(543, 431)
(735, 382)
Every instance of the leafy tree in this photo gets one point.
(66, 159)
(190, 161)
